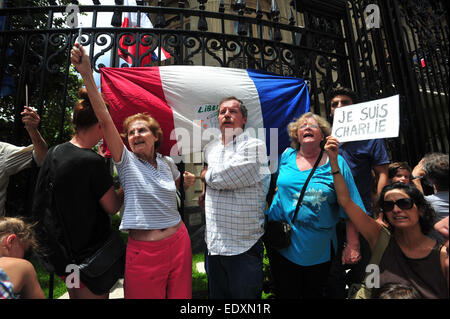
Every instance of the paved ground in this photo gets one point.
(117, 290)
(198, 245)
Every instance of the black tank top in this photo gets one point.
(424, 274)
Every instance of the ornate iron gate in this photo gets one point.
(406, 55)
(329, 43)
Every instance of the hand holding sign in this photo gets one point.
(368, 120)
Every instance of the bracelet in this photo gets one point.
(416, 177)
(347, 245)
(336, 172)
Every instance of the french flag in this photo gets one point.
(128, 52)
(184, 100)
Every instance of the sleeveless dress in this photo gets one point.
(424, 274)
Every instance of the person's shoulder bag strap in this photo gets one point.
(297, 208)
(360, 290)
(170, 166)
(380, 246)
(67, 240)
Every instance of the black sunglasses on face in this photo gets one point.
(403, 203)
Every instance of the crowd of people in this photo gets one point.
(353, 200)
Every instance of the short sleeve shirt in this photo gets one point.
(361, 157)
(81, 179)
(150, 193)
(13, 159)
(314, 227)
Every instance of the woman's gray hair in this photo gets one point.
(292, 128)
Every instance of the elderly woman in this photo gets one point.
(301, 269)
(411, 257)
(159, 259)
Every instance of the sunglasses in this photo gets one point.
(404, 203)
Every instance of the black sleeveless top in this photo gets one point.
(424, 274)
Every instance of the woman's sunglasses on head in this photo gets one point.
(403, 203)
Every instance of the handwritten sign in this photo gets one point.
(368, 120)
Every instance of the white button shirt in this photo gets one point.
(13, 159)
(237, 182)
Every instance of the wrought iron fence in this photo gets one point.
(327, 43)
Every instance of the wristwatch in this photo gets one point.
(416, 177)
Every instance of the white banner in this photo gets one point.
(368, 120)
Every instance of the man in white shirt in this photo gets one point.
(14, 159)
(236, 178)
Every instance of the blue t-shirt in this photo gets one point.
(361, 156)
(315, 226)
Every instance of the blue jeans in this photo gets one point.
(236, 277)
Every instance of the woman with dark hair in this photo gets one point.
(83, 192)
(411, 257)
(427, 214)
(399, 172)
(396, 291)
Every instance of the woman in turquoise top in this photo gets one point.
(301, 270)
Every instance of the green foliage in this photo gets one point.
(199, 279)
(267, 284)
(42, 63)
(55, 111)
(59, 287)
(24, 3)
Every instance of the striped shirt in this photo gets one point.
(13, 159)
(150, 193)
(237, 183)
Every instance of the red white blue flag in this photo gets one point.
(184, 100)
